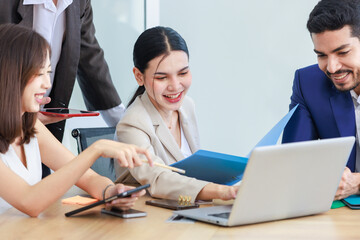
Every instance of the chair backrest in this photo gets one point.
(85, 137)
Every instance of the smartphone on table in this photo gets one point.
(107, 200)
(131, 213)
(68, 112)
(171, 204)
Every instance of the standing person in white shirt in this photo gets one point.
(68, 27)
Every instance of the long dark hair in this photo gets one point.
(152, 43)
(22, 54)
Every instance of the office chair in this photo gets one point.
(85, 137)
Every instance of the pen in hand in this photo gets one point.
(166, 166)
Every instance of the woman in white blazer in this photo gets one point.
(161, 118)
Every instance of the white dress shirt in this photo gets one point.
(356, 101)
(185, 148)
(49, 22)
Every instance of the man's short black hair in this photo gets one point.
(330, 15)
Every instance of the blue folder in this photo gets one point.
(213, 167)
(223, 168)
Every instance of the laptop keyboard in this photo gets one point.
(221, 215)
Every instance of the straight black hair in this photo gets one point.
(152, 43)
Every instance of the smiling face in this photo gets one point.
(36, 88)
(166, 80)
(338, 55)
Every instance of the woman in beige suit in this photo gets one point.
(161, 118)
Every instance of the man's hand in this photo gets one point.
(48, 119)
(45, 119)
(349, 184)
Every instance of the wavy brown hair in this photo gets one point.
(22, 54)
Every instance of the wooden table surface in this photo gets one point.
(341, 223)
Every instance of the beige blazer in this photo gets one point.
(142, 125)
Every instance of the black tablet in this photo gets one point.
(120, 195)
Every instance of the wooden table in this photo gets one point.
(341, 223)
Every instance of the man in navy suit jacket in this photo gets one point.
(328, 93)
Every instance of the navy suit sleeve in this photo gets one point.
(301, 126)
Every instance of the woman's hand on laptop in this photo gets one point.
(217, 191)
(228, 192)
(349, 184)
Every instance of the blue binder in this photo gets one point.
(213, 167)
(223, 168)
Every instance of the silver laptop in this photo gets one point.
(283, 181)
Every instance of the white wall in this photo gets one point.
(118, 24)
(243, 55)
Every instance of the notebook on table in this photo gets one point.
(283, 181)
(352, 201)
